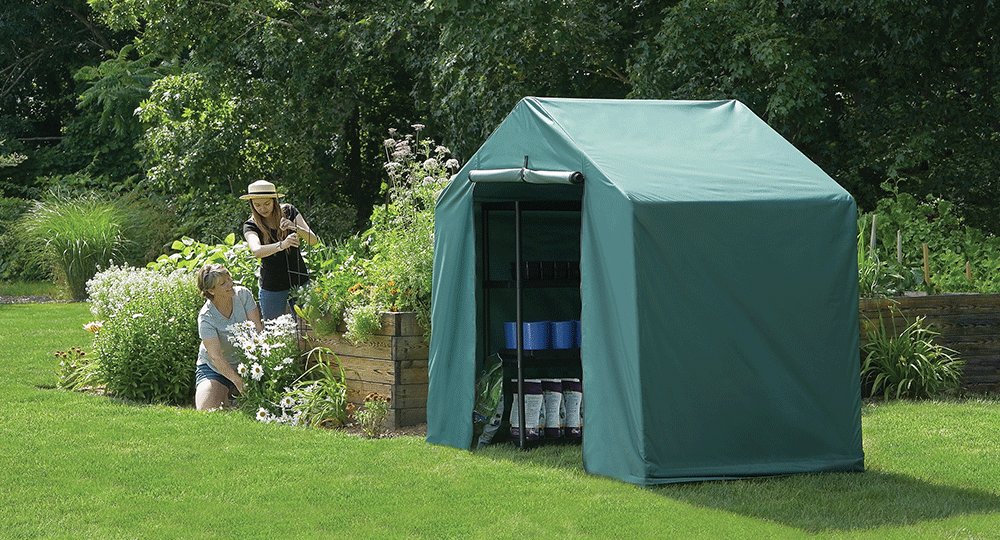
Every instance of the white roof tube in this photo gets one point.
(526, 175)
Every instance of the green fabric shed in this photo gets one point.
(718, 292)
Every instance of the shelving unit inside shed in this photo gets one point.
(542, 240)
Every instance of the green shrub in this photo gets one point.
(147, 345)
(908, 364)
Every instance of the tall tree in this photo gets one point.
(42, 46)
(298, 92)
(491, 54)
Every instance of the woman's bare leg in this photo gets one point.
(211, 395)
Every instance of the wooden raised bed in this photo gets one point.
(967, 323)
(393, 363)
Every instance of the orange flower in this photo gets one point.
(93, 326)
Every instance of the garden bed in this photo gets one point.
(967, 323)
(392, 363)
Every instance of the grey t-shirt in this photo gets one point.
(212, 324)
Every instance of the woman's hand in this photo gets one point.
(291, 240)
(288, 225)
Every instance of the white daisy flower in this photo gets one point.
(287, 361)
(287, 402)
(242, 370)
(256, 371)
(263, 415)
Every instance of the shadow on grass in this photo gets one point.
(836, 501)
(810, 502)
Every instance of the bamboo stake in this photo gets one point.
(871, 246)
(927, 266)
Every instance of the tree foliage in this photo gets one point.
(212, 94)
(42, 46)
(290, 91)
(491, 54)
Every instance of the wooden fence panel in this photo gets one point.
(967, 323)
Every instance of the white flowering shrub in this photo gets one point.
(147, 344)
(109, 290)
(270, 367)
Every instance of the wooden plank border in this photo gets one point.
(392, 363)
(967, 323)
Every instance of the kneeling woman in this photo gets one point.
(226, 304)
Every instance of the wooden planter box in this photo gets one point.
(393, 363)
(967, 323)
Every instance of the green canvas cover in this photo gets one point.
(718, 294)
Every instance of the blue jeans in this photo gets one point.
(273, 304)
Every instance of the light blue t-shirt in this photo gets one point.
(212, 324)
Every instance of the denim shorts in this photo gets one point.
(204, 372)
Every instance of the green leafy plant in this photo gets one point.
(876, 278)
(271, 364)
(191, 255)
(389, 266)
(147, 344)
(372, 414)
(908, 364)
(320, 397)
(337, 272)
(960, 258)
(362, 322)
(77, 371)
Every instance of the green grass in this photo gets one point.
(82, 466)
(29, 288)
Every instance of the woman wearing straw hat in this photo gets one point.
(273, 234)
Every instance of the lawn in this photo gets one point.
(83, 466)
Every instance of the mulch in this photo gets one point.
(26, 299)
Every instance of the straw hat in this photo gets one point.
(261, 189)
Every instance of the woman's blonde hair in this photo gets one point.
(209, 276)
(269, 223)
